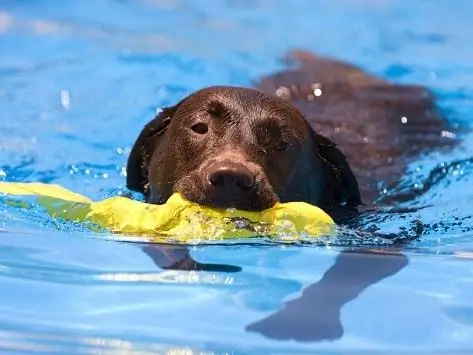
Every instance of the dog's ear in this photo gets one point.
(340, 182)
(140, 155)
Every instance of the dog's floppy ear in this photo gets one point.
(341, 183)
(140, 155)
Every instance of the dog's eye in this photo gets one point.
(282, 146)
(216, 109)
(200, 128)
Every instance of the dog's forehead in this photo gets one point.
(249, 102)
(249, 111)
(231, 97)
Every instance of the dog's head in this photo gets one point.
(238, 147)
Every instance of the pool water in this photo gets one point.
(78, 79)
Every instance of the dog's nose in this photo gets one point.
(231, 177)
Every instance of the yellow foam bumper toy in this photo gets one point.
(178, 219)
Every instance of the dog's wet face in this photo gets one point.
(229, 147)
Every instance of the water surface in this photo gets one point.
(78, 79)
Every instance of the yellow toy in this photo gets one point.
(179, 219)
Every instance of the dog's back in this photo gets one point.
(378, 125)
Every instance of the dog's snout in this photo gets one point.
(231, 177)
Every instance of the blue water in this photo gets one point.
(78, 79)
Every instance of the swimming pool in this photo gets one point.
(78, 80)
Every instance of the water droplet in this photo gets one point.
(316, 89)
(418, 186)
(447, 134)
(65, 99)
(283, 91)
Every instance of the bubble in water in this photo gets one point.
(65, 99)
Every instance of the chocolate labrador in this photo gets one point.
(239, 147)
(324, 132)
(321, 131)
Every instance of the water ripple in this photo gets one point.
(78, 81)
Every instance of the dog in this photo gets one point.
(322, 132)
(233, 147)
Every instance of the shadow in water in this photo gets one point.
(315, 315)
(175, 257)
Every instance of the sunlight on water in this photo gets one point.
(78, 80)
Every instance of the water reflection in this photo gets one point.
(315, 315)
(177, 257)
